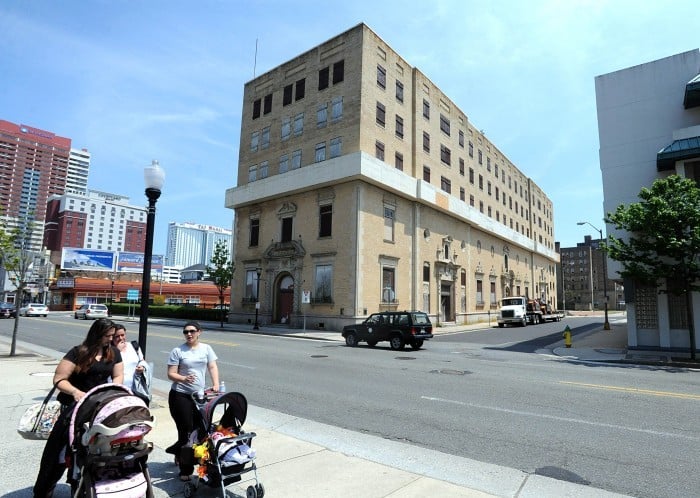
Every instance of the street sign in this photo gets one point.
(132, 294)
(306, 297)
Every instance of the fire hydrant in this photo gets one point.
(567, 337)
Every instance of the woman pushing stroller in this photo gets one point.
(187, 367)
(83, 367)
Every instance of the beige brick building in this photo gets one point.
(362, 187)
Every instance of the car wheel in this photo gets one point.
(416, 345)
(75, 316)
(396, 342)
(351, 339)
(501, 325)
(371, 344)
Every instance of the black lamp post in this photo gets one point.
(606, 325)
(154, 176)
(111, 294)
(258, 271)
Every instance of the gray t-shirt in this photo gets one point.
(191, 361)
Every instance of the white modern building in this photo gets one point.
(78, 170)
(191, 244)
(649, 128)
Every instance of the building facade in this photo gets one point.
(78, 170)
(94, 220)
(363, 187)
(649, 128)
(191, 244)
(583, 278)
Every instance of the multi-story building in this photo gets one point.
(191, 244)
(583, 278)
(363, 187)
(78, 171)
(649, 128)
(33, 167)
(94, 220)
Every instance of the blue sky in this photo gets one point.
(133, 81)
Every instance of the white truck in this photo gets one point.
(521, 311)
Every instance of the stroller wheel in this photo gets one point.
(251, 492)
(260, 489)
(189, 489)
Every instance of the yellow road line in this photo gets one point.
(635, 390)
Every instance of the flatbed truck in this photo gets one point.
(522, 311)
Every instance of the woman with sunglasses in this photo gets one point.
(187, 367)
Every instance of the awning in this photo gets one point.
(679, 150)
(692, 93)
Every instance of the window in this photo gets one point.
(325, 220)
(296, 159)
(284, 163)
(338, 72)
(389, 214)
(399, 126)
(444, 125)
(426, 174)
(426, 272)
(381, 76)
(322, 115)
(267, 105)
(471, 176)
(336, 147)
(320, 152)
(461, 166)
(286, 128)
(462, 194)
(379, 150)
(398, 161)
(323, 284)
(336, 108)
(471, 149)
(251, 286)
(388, 285)
(471, 200)
(256, 108)
(426, 141)
(446, 184)
(381, 114)
(254, 232)
(426, 109)
(493, 293)
(488, 188)
(253, 173)
(265, 142)
(254, 141)
(323, 75)
(287, 224)
(479, 292)
(461, 138)
(300, 89)
(298, 124)
(287, 95)
(481, 182)
(399, 91)
(481, 159)
(445, 155)
(264, 166)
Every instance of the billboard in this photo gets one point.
(73, 258)
(132, 262)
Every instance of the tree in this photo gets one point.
(664, 240)
(221, 272)
(16, 258)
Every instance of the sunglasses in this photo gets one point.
(189, 331)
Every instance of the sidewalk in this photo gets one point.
(296, 457)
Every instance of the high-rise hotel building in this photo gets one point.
(190, 244)
(362, 187)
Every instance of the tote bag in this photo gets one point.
(141, 385)
(38, 420)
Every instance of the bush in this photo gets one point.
(183, 311)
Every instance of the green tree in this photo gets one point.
(664, 240)
(221, 272)
(16, 258)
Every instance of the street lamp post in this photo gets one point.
(154, 176)
(111, 294)
(258, 271)
(606, 326)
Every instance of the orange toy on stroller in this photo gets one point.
(220, 447)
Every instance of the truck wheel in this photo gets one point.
(416, 345)
(524, 322)
(396, 342)
(501, 325)
(351, 339)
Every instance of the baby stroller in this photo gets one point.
(219, 446)
(108, 453)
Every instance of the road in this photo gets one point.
(481, 395)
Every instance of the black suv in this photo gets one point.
(397, 327)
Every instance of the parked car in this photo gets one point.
(397, 327)
(91, 311)
(7, 310)
(34, 309)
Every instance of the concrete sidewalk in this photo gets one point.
(296, 457)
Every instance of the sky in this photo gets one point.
(133, 81)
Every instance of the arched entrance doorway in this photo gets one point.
(284, 298)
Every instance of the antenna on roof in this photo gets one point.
(255, 61)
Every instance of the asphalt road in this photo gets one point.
(627, 429)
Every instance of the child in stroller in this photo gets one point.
(108, 453)
(219, 445)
